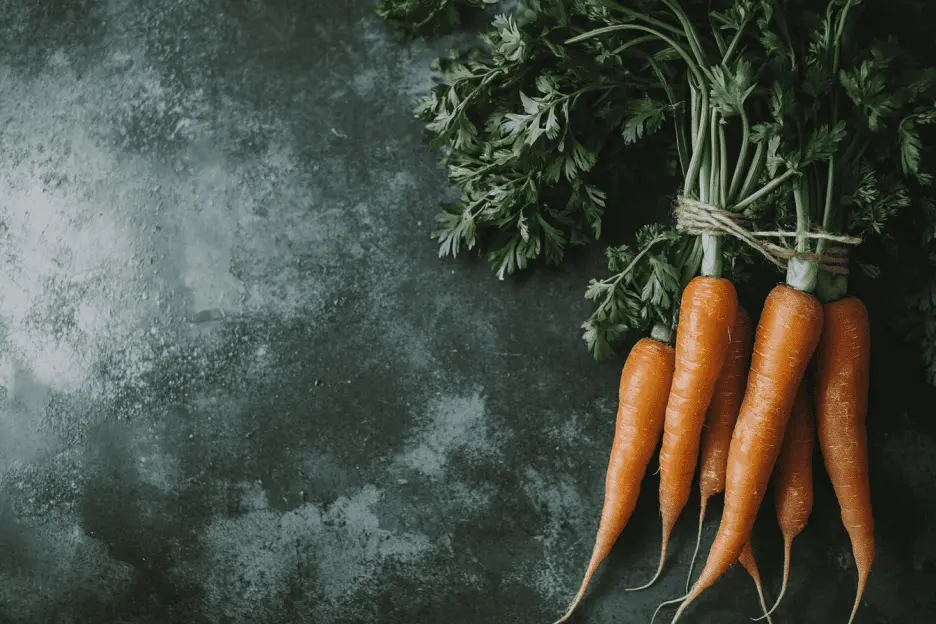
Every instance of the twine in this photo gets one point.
(695, 217)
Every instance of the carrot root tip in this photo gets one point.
(589, 573)
(763, 603)
(663, 604)
(862, 581)
(695, 553)
(787, 549)
(659, 569)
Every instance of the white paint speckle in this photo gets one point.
(453, 424)
(250, 557)
(560, 504)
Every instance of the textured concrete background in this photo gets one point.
(237, 385)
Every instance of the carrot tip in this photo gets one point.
(679, 611)
(862, 581)
(659, 569)
(589, 573)
(763, 603)
(663, 604)
(787, 548)
(695, 553)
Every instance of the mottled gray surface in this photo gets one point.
(237, 384)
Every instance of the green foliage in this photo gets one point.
(644, 116)
(527, 128)
(542, 135)
(642, 289)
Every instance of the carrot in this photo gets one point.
(841, 393)
(786, 338)
(644, 388)
(793, 488)
(747, 560)
(706, 314)
(721, 419)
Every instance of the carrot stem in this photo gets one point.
(711, 255)
(742, 158)
(802, 274)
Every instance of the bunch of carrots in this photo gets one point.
(749, 410)
(738, 402)
(797, 137)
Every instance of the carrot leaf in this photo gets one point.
(642, 288)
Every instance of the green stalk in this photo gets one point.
(742, 157)
(713, 170)
(840, 28)
(691, 34)
(705, 178)
(696, 162)
(693, 67)
(734, 42)
(802, 219)
(722, 167)
(764, 190)
(692, 262)
(695, 112)
(753, 174)
(636, 41)
(678, 120)
(812, 197)
(711, 255)
(711, 243)
(648, 19)
(719, 40)
(827, 210)
(802, 274)
(832, 287)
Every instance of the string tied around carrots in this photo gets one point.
(697, 217)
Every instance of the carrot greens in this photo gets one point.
(805, 120)
(777, 136)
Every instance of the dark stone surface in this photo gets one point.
(239, 386)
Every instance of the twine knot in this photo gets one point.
(696, 217)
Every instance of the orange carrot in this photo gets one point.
(786, 338)
(706, 315)
(843, 371)
(721, 419)
(747, 560)
(644, 388)
(793, 488)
